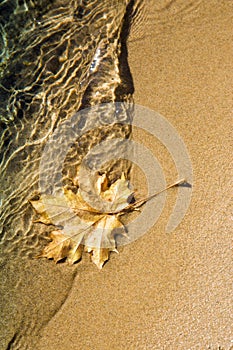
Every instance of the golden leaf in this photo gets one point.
(84, 227)
(89, 228)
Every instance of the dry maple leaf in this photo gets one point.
(85, 227)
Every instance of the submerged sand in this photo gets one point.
(164, 291)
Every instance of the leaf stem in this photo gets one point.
(142, 201)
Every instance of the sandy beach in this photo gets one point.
(163, 291)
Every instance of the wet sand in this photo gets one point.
(164, 291)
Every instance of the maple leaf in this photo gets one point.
(85, 227)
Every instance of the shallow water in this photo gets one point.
(56, 58)
(61, 59)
